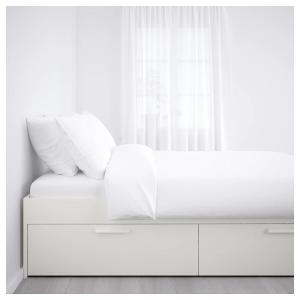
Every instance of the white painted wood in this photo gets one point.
(280, 231)
(102, 230)
(246, 249)
(64, 210)
(24, 240)
(138, 250)
(93, 211)
(227, 246)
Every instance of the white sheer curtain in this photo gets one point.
(172, 77)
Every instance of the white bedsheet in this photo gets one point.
(58, 186)
(255, 185)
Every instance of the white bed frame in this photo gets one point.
(67, 237)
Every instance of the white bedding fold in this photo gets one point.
(130, 183)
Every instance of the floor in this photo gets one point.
(156, 285)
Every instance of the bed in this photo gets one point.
(194, 214)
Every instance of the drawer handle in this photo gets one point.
(280, 231)
(112, 231)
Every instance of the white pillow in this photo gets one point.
(49, 143)
(89, 143)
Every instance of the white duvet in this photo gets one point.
(141, 183)
(130, 183)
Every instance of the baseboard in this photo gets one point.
(12, 285)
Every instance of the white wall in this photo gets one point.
(259, 112)
(98, 63)
(40, 79)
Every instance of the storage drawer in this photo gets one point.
(246, 249)
(113, 250)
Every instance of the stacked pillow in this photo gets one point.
(49, 143)
(67, 143)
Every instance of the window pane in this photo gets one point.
(152, 78)
(192, 78)
(192, 111)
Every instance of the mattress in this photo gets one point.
(59, 186)
(254, 185)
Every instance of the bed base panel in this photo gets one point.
(58, 241)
